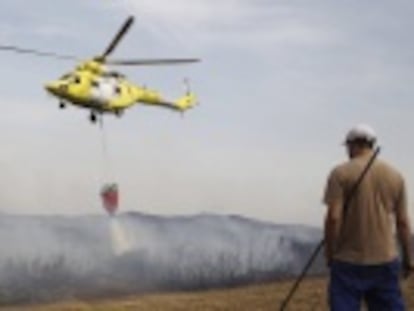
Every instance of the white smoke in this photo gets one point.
(55, 257)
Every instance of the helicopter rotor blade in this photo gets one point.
(115, 41)
(20, 50)
(152, 62)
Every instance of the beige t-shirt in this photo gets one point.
(367, 227)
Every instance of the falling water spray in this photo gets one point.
(120, 241)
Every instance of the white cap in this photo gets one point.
(361, 131)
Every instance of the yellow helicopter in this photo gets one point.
(92, 86)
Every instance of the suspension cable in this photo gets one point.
(107, 172)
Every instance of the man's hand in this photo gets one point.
(408, 268)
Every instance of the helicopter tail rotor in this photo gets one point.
(189, 100)
(187, 88)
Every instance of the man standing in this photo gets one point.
(361, 249)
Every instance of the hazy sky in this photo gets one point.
(280, 84)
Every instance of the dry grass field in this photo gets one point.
(310, 296)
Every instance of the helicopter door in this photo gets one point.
(103, 90)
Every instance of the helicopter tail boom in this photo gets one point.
(186, 102)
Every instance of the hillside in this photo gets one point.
(54, 258)
(310, 296)
(47, 259)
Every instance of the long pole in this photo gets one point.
(322, 242)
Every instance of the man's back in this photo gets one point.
(367, 232)
(360, 240)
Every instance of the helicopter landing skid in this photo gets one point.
(93, 117)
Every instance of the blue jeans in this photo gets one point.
(378, 285)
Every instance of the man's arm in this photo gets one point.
(333, 221)
(333, 199)
(404, 231)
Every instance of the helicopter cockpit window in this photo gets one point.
(113, 74)
(65, 76)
